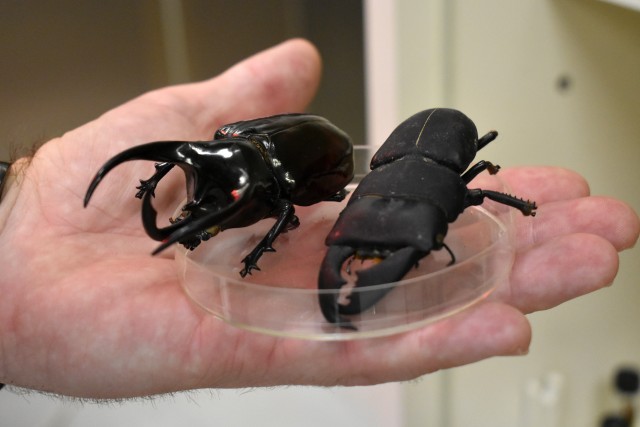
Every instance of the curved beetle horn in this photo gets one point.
(191, 226)
(149, 215)
(162, 151)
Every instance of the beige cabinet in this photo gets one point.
(560, 80)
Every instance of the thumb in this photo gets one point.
(281, 79)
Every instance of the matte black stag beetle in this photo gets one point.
(400, 211)
(251, 170)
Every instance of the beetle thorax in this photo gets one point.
(444, 135)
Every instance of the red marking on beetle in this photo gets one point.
(235, 194)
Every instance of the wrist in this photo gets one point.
(4, 177)
(10, 183)
(4, 171)
(9, 187)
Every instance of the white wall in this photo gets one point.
(500, 61)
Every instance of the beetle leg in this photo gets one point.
(479, 167)
(149, 185)
(285, 217)
(149, 216)
(486, 139)
(453, 257)
(338, 197)
(476, 197)
(293, 224)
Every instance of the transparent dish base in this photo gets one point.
(282, 298)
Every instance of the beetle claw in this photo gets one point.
(339, 196)
(149, 185)
(330, 279)
(248, 269)
(251, 261)
(146, 187)
(293, 223)
(390, 270)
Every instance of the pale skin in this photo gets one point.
(86, 311)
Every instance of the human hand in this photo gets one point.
(85, 310)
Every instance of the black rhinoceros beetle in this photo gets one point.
(251, 170)
(400, 211)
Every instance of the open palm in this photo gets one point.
(86, 311)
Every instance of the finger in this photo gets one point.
(558, 270)
(542, 184)
(483, 331)
(545, 184)
(606, 217)
(281, 79)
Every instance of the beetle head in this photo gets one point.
(444, 135)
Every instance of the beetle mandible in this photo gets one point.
(250, 171)
(400, 211)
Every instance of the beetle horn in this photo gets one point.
(162, 151)
(486, 139)
(190, 226)
(149, 215)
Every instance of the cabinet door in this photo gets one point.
(559, 81)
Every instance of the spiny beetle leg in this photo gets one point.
(293, 224)
(285, 217)
(486, 139)
(479, 167)
(149, 185)
(339, 196)
(476, 197)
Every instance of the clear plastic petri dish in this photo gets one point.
(282, 299)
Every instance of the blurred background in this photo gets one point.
(559, 79)
(64, 63)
